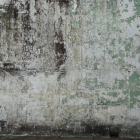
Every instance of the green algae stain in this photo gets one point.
(114, 94)
(91, 42)
(103, 101)
(121, 83)
(138, 50)
(91, 102)
(126, 92)
(115, 56)
(125, 10)
(128, 47)
(137, 6)
(121, 53)
(126, 5)
(102, 85)
(64, 126)
(125, 100)
(110, 51)
(72, 97)
(105, 107)
(133, 99)
(45, 116)
(112, 117)
(1, 56)
(134, 89)
(64, 100)
(90, 85)
(112, 43)
(129, 20)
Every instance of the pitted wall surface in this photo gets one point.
(70, 67)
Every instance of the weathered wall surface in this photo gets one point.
(70, 67)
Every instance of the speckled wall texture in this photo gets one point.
(70, 67)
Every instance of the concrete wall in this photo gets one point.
(70, 67)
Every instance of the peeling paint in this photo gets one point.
(70, 67)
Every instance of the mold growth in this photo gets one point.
(61, 2)
(26, 18)
(9, 67)
(60, 52)
(137, 5)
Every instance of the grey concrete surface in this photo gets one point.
(69, 68)
(57, 138)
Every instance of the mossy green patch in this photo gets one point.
(114, 94)
(133, 98)
(64, 100)
(110, 51)
(138, 50)
(125, 100)
(137, 6)
(44, 116)
(134, 81)
(72, 97)
(125, 10)
(112, 43)
(126, 92)
(105, 107)
(126, 5)
(1, 55)
(121, 53)
(115, 56)
(121, 83)
(91, 102)
(129, 20)
(64, 126)
(128, 47)
(91, 42)
(90, 85)
(112, 117)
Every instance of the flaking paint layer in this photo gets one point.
(70, 67)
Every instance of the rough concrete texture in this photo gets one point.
(70, 67)
(57, 138)
(54, 138)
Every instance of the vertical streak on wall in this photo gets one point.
(71, 66)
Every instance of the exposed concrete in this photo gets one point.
(70, 67)
(55, 138)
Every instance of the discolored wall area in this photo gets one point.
(70, 67)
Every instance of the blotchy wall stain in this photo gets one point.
(61, 2)
(60, 50)
(70, 67)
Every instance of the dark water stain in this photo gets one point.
(102, 130)
(2, 124)
(15, 13)
(26, 27)
(113, 131)
(64, 2)
(61, 2)
(78, 4)
(11, 69)
(114, 134)
(6, 18)
(60, 54)
(88, 129)
(60, 50)
(9, 66)
(25, 128)
(26, 18)
(62, 73)
(16, 37)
